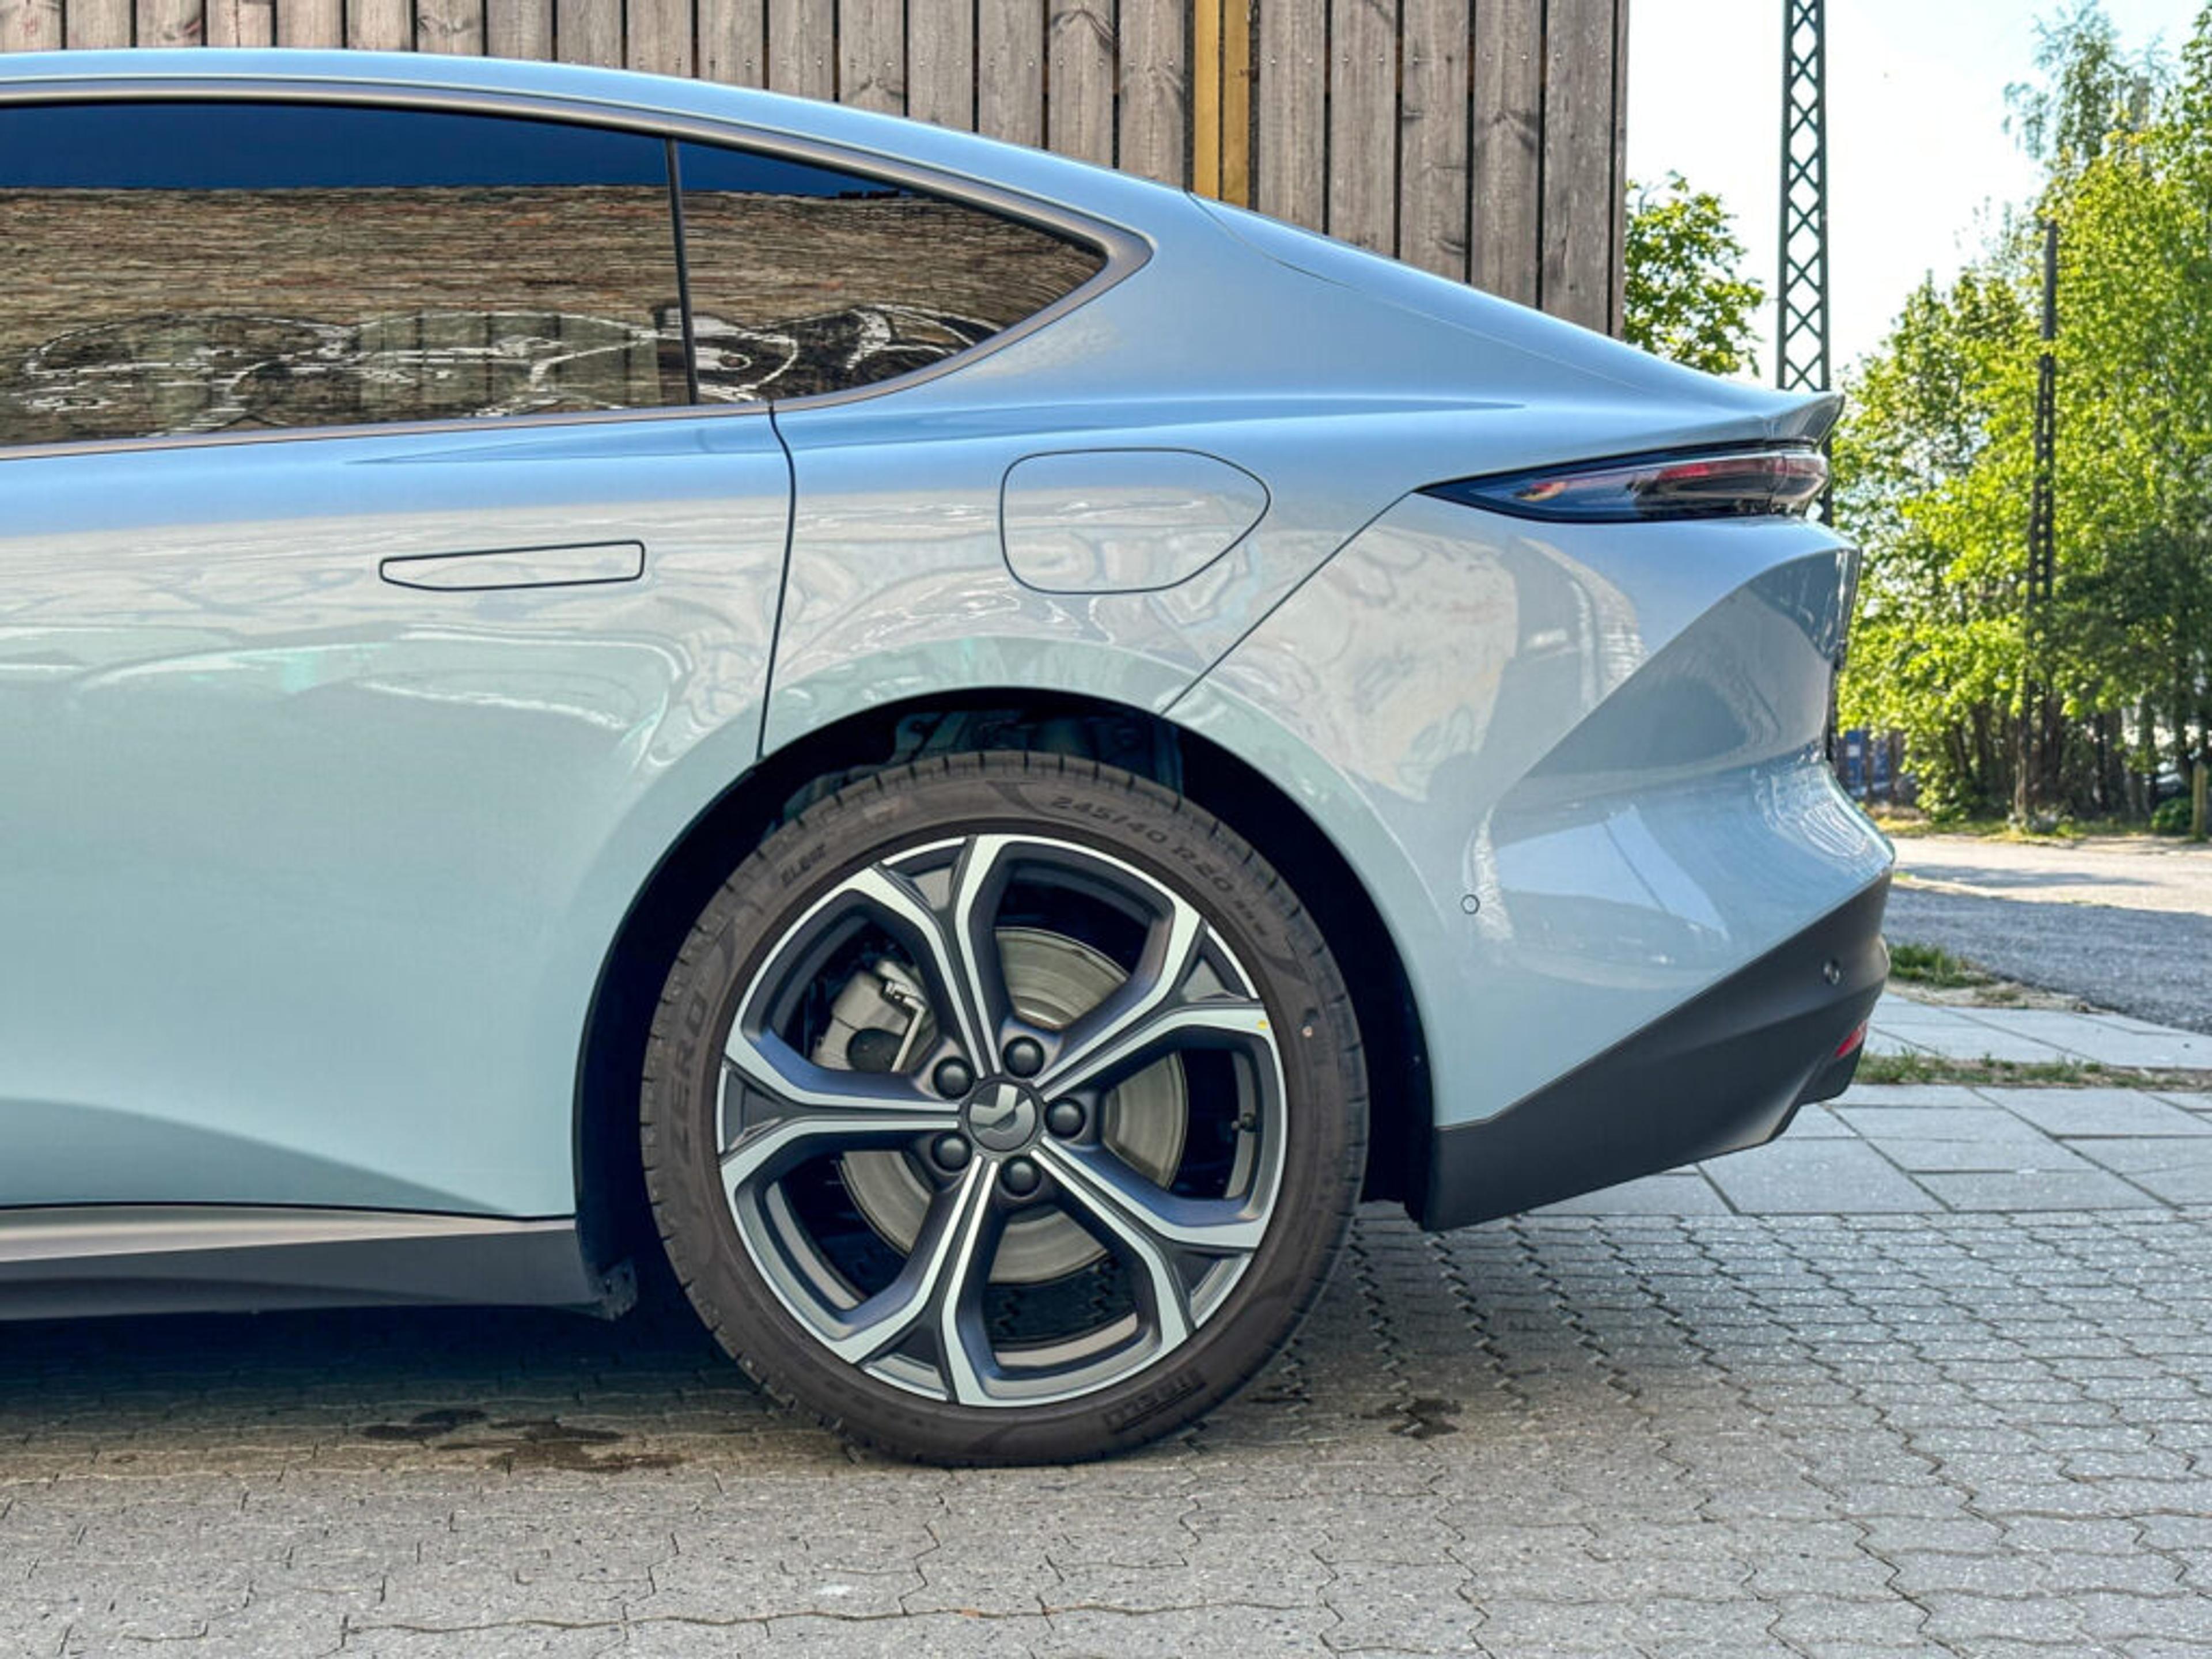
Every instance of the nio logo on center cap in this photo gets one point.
(1002, 1114)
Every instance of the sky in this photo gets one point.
(1918, 151)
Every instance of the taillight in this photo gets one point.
(1723, 483)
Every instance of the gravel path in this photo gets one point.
(2154, 965)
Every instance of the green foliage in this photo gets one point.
(2024, 1074)
(1934, 459)
(1931, 964)
(1687, 298)
(2171, 818)
(2091, 88)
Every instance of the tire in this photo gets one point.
(1003, 1110)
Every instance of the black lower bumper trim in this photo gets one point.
(1726, 1070)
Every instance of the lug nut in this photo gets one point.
(1025, 1057)
(1021, 1177)
(951, 1151)
(953, 1078)
(1064, 1118)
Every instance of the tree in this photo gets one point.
(1687, 298)
(2092, 89)
(1931, 471)
(1934, 457)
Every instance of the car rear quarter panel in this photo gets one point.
(1578, 767)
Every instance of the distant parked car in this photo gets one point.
(973, 748)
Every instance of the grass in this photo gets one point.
(2026, 1074)
(1932, 965)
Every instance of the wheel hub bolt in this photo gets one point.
(1064, 1118)
(1021, 1177)
(953, 1078)
(951, 1151)
(1025, 1057)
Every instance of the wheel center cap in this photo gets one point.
(1001, 1116)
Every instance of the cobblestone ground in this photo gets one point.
(1941, 1433)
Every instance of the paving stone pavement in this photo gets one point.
(1736, 1435)
(2037, 1036)
(1931, 1374)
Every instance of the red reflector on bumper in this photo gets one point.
(1852, 1043)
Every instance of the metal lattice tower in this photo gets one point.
(1800, 336)
(2042, 536)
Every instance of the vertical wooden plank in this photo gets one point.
(1293, 94)
(1206, 72)
(802, 47)
(30, 25)
(518, 28)
(588, 31)
(455, 28)
(1505, 175)
(657, 36)
(1578, 121)
(940, 62)
(98, 23)
(1433, 138)
(1156, 90)
(1009, 70)
(1236, 102)
(1079, 80)
(1362, 123)
(171, 23)
(241, 22)
(380, 25)
(871, 55)
(1619, 271)
(311, 23)
(733, 42)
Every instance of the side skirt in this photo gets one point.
(152, 1259)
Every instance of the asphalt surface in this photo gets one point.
(2125, 925)
(2132, 872)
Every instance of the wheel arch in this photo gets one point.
(612, 1217)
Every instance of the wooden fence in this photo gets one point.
(1481, 139)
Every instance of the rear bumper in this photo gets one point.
(1726, 1070)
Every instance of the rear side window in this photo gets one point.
(805, 279)
(213, 268)
(182, 269)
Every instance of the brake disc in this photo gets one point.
(1052, 980)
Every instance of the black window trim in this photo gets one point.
(1124, 251)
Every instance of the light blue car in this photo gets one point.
(971, 749)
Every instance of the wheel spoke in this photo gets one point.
(786, 1109)
(1212, 1226)
(1171, 950)
(768, 1149)
(1150, 1226)
(956, 951)
(939, 1287)
(774, 1068)
(1126, 1044)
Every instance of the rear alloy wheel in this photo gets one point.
(1003, 1110)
